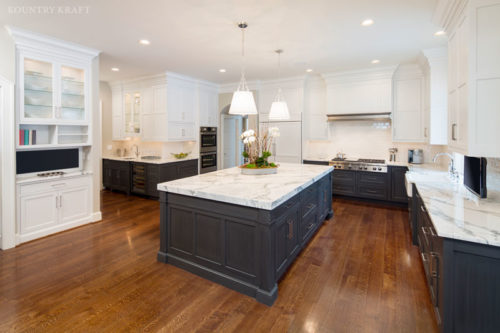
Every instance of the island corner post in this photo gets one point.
(246, 249)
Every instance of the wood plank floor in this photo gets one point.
(358, 274)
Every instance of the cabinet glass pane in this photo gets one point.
(72, 93)
(132, 113)
(37, 89)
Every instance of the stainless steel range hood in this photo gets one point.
(360, 116)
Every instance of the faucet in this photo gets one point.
(451, 167)
(136, 150)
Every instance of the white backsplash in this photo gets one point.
(163, 149)
(364, 139)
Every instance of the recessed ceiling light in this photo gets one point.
(309, 70)
(144, 42)
(439, 33)
(375, 61)
(115, 69)
(222, 70)
(367, 22)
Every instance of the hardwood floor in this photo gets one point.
(360, 273)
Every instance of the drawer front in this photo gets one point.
(372, 178)
(374, 191)
(53, 185)
(343, 176)
(348, 189)
(309, 206)
(307, 225)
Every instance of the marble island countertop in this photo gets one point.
(263, 191)
(455, 212)
(161, 160)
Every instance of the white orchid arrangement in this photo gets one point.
(258, 148)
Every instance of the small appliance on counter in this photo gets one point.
(393, 152)
(415, 156)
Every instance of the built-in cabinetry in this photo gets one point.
(434, 65)
(141, 177)
(378, 186)
(162, 108)
(408, 118)
(54, 106)
(463, 278)
(473, 74)
(314, 121)
(363, 91)
(287, 147)
(46, 207)
(53, 94)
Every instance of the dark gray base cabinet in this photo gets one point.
(116, 175)
(142, 178)
(463, 278)
(245, 249)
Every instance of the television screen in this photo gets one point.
(47, 160)
(475, 175)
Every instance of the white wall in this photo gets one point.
(363, 139)
(7, 72)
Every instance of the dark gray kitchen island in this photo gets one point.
(243, 231)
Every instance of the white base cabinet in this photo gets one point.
(48, 207)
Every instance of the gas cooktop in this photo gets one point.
(362, 164)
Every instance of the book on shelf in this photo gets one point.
(27, 137)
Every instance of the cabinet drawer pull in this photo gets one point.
(57, 202)
(290, 229)
(453, 132)
(310, 226)
(422, 208)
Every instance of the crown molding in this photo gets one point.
(379, 73)
(29, 40)
(447, 12)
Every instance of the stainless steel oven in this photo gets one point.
(208, 139)
(208, 162)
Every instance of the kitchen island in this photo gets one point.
(243, 231)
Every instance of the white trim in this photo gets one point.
(28, 39)
(8, 165)
(96, 216)
(379, 73)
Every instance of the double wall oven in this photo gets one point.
(208, 149)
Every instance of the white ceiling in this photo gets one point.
(197, 37)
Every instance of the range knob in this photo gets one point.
(350, 167)
(374, 169)
(365, 168)
(379, 169)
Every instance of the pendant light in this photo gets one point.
(243, 102)
(279, 109)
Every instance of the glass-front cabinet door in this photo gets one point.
(39, 99)
(52, 92)
(72, 98)
(132, 113)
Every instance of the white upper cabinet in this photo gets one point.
(473, 74)
(53, 92)
(363, 91)
(434, 64)
(315, 121)
(408, 113)
(208, 105)
(163, 108)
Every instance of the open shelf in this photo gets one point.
(44, 135)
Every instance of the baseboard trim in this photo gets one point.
(96, 216)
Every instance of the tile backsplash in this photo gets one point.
(365, 139)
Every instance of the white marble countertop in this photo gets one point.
(455, 212)
(263, 191)
(162, 160)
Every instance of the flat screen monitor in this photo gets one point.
(31, 161)
(475, 175)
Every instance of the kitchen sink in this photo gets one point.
(151, 157)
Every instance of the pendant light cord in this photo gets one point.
(243, 81)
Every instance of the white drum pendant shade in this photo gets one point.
(279, 111)
(243, 103)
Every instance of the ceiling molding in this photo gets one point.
(379, 73)
(29, 40)
(447, 13)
